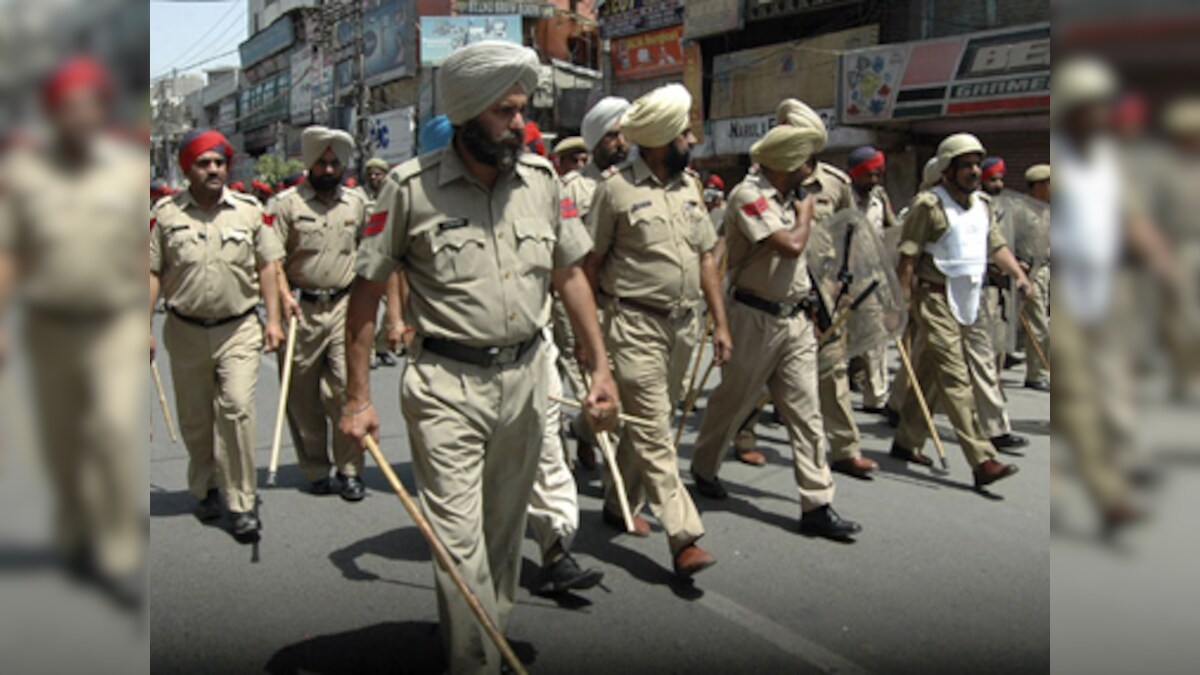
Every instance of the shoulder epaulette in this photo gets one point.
(835, 172)
(405, 171)
(535, 160)
(251, 199)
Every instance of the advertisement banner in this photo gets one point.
(979, 73)
(647, 55)
(754, 81)
(711, 17)
(628, 17)
(388, 38)
(441, 36)
(390, 135)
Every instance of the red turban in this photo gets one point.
(198, 142)
(81, 72)
(714, 181)
(873, 163)
(992, 167)
(238, 186)
(262, 187)
(533, 138)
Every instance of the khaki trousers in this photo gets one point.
(781, 355)
(89, 383)
(568, 368)
(1037, 312)
(476, 435)
(648, 354)
(1081, 405)
(554, 503)
(837, 414)
(215, 371)
(980, 352)
(317, 391)
(942, 374)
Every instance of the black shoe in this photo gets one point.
(1008, 443)
(321, 487)
(209, 508)
(873, 410)
(710, 488)
(1040, 385)
(245, 524)
(353, 489)
(128, 591)
(904, 454)
(825, 522)
(893, 417)
(1013, 360)
(385, 359)
(565, 575)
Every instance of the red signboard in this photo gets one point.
(647, 55)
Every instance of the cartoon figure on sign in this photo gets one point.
(870, 83)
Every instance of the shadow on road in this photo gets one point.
(597, 539)
(411, 647)
(401, 544)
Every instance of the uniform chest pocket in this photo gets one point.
(460, 252)
(184, 243)
(237, 246)
(535, 244)
(310, 234)
(349, 235)
(649, 230)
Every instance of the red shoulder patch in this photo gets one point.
(567, 209)
(268, 219)
(756, 208)
(375, 224)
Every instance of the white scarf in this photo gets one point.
(961, 254)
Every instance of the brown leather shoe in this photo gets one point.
(991, 471)
(752, 457)
(691, 560)
(907, 455)
(858, 467)
(1121, 516)
(586, 452)
(640, 527)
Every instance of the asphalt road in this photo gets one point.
(941, 580)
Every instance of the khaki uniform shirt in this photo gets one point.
(649, 236)
(832, 192)
(717, 216)
(926, 223)
(80, 237)
(756, 211)
(877, 208)
(478, 262)
(208, 260)
(580, 187)
(320, 239)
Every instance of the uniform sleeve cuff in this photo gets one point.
(910, 248)
(374, 266)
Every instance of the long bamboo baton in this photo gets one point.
(691, 402)
(284, 386)
(827, 337)
(915, 385)
(628, 419)
(162, 401)
(1033, 341)
(708, 326)
(610, 460)
(443, 558)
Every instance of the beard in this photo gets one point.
(325, 182)
(501, 154)
(677, 160)
(605, 159)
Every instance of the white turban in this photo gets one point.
(602, 118)
(798, 114)
(786, 148)
(656, 119)
(476, 76)
(314, 141)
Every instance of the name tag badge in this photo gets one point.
(452, 224)
(234, 235)
(641, 205)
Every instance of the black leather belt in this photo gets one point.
(74, 316)
(671, 313)
(209, 323)
(323, 296)
(485, 357)
(784, 309)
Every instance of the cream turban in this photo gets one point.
(1080, 81)
(1182, 117)
(315, 140)
(376, 163)
(797, 114)
(931, 174)
(570, 144)
(1037, 173)
(656, 119)
(786, 148)
(602, 118)
(476, 76)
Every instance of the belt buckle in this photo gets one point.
(504, 356)
(678, 312)
(790, 308)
